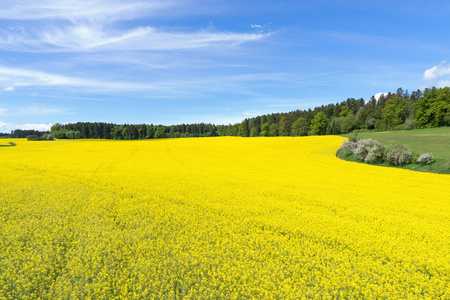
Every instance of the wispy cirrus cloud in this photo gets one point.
(197, 85)
(74, 26)
(94, 10)
(84, 37)
(163, 88)
(33, 110)
(28, 77)
(8, 89)
(41, 109)
(112, 50)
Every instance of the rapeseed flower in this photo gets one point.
(222, 217)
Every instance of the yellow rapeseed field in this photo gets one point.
(217, 218)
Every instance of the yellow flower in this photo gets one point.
(222, 217)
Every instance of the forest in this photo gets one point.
(392, 111)
(23, 133)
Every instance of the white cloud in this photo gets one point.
(99, 10)
(34, 109)
(102, 120)
(39, 109)
(168, 88)
(98, 49)
(443, 83)
(41, 127)
(26, 77)
(8, 89)
(87, 37)
(88, 25)
(261, 28)
(436, 72)
(7, 127)
(378, 95)
(3, 112)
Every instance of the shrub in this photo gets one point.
(47, 136)
(370, 151)
(409, 124)
(347, 145)
(398, 155)
(414, 157)
(399, 127)
(366, 150)
(375, 154)
(44, 137)
(425, 158)
(363, 147)
(33, 137)
(353, 138)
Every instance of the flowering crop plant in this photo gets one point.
(217, 218)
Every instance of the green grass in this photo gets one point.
(430, 140)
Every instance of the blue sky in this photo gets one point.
(172, 61)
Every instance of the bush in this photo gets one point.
(425, 158)
(375, 154)
(353, 138)
(399, 127)
(33, 137)
(409, 124)
(45, 137)
(347, 145)
(368, 151)
(398, 155)
(363, 147)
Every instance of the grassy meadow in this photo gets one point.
(217, 218)
(429, 140)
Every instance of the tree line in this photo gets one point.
(85, 130)
(23, 133)
(391, 111)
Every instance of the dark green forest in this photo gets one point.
(23, 133)
(393, 111)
